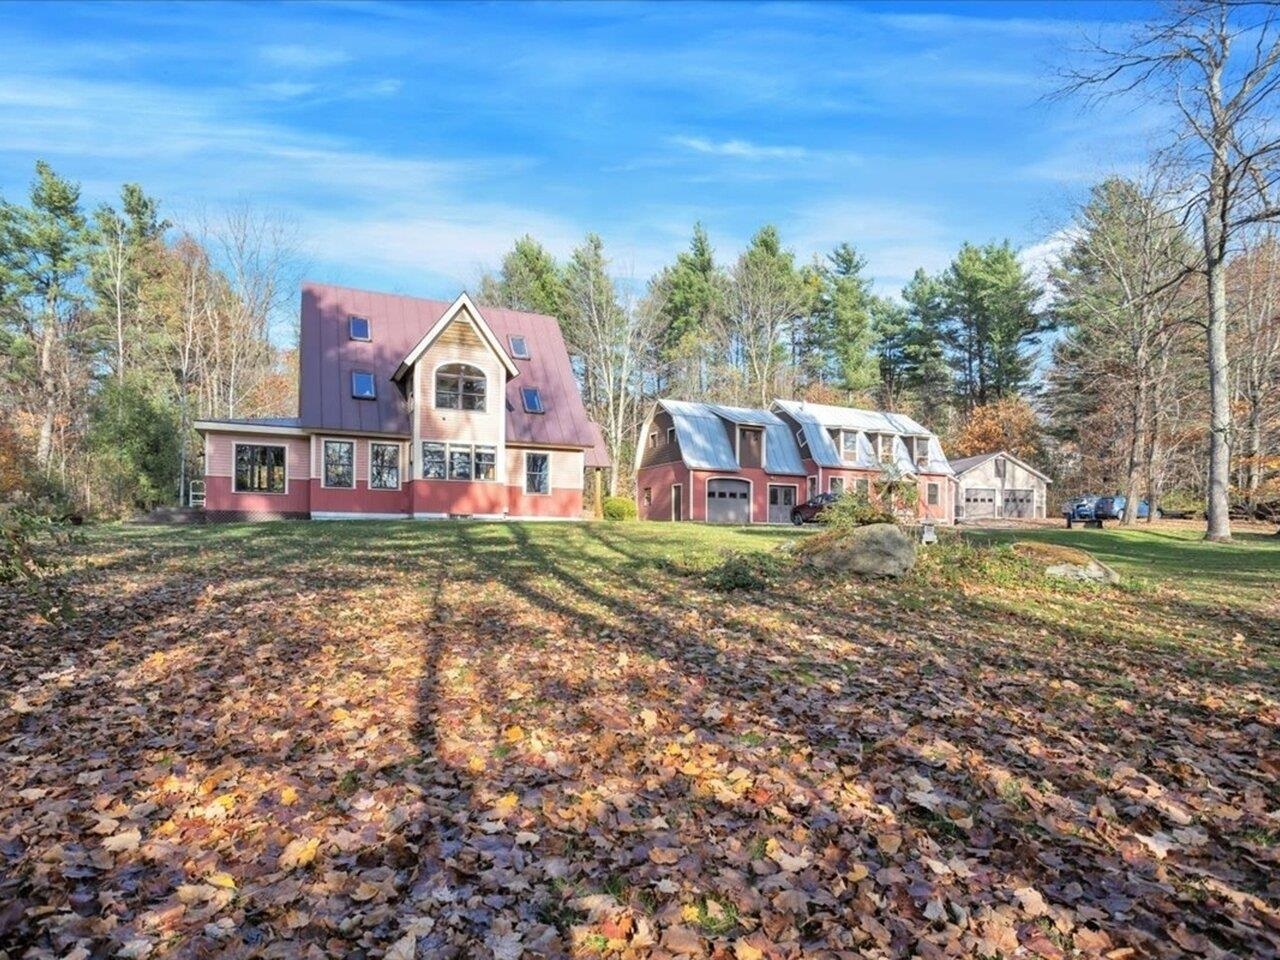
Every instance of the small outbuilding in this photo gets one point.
(999, 486)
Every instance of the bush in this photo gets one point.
(1182, 501)
(30, 544)
(618, 508)
(747, 571)
(854, 510)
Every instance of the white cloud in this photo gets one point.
(740, 149)
(297, 56)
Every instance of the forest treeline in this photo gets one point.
(1147, 361)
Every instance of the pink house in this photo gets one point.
(412, 408)
(720, 464)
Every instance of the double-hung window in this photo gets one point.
(259, 468)
(849, 441)
(537, 473)
(932, 494)
(340, 463)
(384, 466)
(433, 461)
(837, 486)
(459, 462)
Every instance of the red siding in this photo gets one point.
(659, 479)
(458, 496)
(760, 481)
(561, 502)
(220, 497)
(359, 500)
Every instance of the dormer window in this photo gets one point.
(532, 399)
(519, 346)
(358, 328)
(671, 435)
(363, 386)
(460, 386)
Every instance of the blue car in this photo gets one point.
(1112, 508)
(1079, 509)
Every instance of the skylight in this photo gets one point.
(358, 328)
(363, 386)
(532, 398)
(519, 346)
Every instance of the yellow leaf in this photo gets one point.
(288, 796)
(745, 951)
(857, 872)
(299, 852)
(506, 805)
(224, 880)
(513, 733)
(889, 842)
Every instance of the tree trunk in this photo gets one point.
(1219, 502)
(1133, 474)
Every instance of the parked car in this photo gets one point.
(808, 511)
(1112, 508)
(1079, 509)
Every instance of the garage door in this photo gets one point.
(1020, 504)
(728, 501)
(979, 502)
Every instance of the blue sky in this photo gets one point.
(409, 145)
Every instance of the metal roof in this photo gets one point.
(398, 324)
(705, 442)
(852, 418)
(965, 464)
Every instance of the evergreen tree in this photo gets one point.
(530, 279)
(840, 329)
(691, 295)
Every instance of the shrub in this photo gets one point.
(747, 571)
(29, 548)
(854, 510)
(618, 508)
(1182, 501)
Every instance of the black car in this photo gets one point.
(808, 511)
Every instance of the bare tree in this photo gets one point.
(1253, 288)
(609, 334)
(1217, 62)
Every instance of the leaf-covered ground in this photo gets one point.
(467, 740)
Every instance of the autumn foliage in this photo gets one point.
(1007, 424)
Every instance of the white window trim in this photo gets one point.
(674, 487)
(423, 458)
(368, 325)
(524, 482)
(525, 354)
(458, 409)
(237, 444)
(368, 476)
(831, 481)
(448, 451)
(933, 485)
(355, 455)
(751, 497)
(671, 435)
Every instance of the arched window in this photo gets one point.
(460, 386)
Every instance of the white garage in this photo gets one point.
(999, 486)
(728, 501)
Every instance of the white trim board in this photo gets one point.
(450, 314)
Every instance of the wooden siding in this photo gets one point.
(460, 342)
(220, 453)
(1015, 478)
(567, 467)
(661, 451)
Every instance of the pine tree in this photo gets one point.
(691, 294)
(530, 280)
(840, 330)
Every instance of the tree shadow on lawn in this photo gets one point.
(832, 743)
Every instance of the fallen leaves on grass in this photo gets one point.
(510, 742)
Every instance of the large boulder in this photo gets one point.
(1067, 563)
(876, 550)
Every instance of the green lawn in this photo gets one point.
(502, 740)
